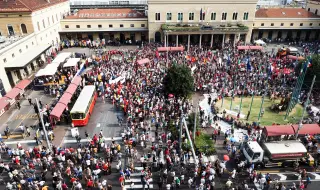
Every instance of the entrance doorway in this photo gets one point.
(122, 38)
(157, 37)
(10, 78)
(133, 37)
(279, 34)
(308, 35)
(270, 33)
(260, 34)
(2, 90)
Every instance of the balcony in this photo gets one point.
(199, 28)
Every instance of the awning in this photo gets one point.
(58, 110)
(65, 98)
(13, 93)
(23, 84)
(71, 62)
(250, 47)
(278, 130)
(161, 49)
(3, 102)
(76, 80)
(27, 57)
(311, 129)
(61, 57)
(48, 71)
(143, 61)
(71, 88)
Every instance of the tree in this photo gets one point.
(313, 69)
(178, 81)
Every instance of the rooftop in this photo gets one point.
(6, 41)
(8, 6)
(284, 13)
(106, 14)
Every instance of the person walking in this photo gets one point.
(18, 105)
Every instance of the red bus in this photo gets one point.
(83, 107)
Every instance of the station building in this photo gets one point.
(109, 24)
(29, 32)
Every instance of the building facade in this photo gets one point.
(110, 24)
(203, 21)
(29, 30)
(287, 24)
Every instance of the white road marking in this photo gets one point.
(21, 142)
(87, 140)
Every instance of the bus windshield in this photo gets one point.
(77, 115)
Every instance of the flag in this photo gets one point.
(248, 64)
(201, 14)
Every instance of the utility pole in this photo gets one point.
(43, 126)
(245, 85)
(195, 122)
(262, 101)
(234, 85)
(304, 108)
(180, 133)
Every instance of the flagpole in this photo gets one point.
(234, 85)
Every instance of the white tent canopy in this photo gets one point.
(260, 42)
(48, 71)
(61, 57)
(71, 62)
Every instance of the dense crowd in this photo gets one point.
(149, 117)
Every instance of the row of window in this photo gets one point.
(110, 26)
(213, 16)
(282, 24)
(11, 31)
(13, 55)
(48, 20)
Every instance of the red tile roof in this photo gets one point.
(106, 14)
(8, 6)
(284, 13)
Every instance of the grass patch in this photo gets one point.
(269, 117)
(204, 143)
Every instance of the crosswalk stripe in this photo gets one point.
(88, 140)
(21, 142)
(135, 180)
(282, 177)
(139, 186)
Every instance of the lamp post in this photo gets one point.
(43, 126)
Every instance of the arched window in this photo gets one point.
(316, 12)
(52, 19)
(38, 24)
(24, 29)
(308, 9)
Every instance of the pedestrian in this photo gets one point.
(30, 101)
(18, 105)
(40, 103)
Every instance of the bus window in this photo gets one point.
(77, 116)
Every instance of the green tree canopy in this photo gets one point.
(314, 69)
(178, 81)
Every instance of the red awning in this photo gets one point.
(4, 102)
(65, 99)
(23, 84)
(71, 89)
(161, 49)
(58, 110)
(143, 61)
(250, 47)
(311, 129)
(76, 80)
(13, 93)
(278, 130)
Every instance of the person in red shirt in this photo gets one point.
(90, 183)
(64, 186)
(121, 180)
